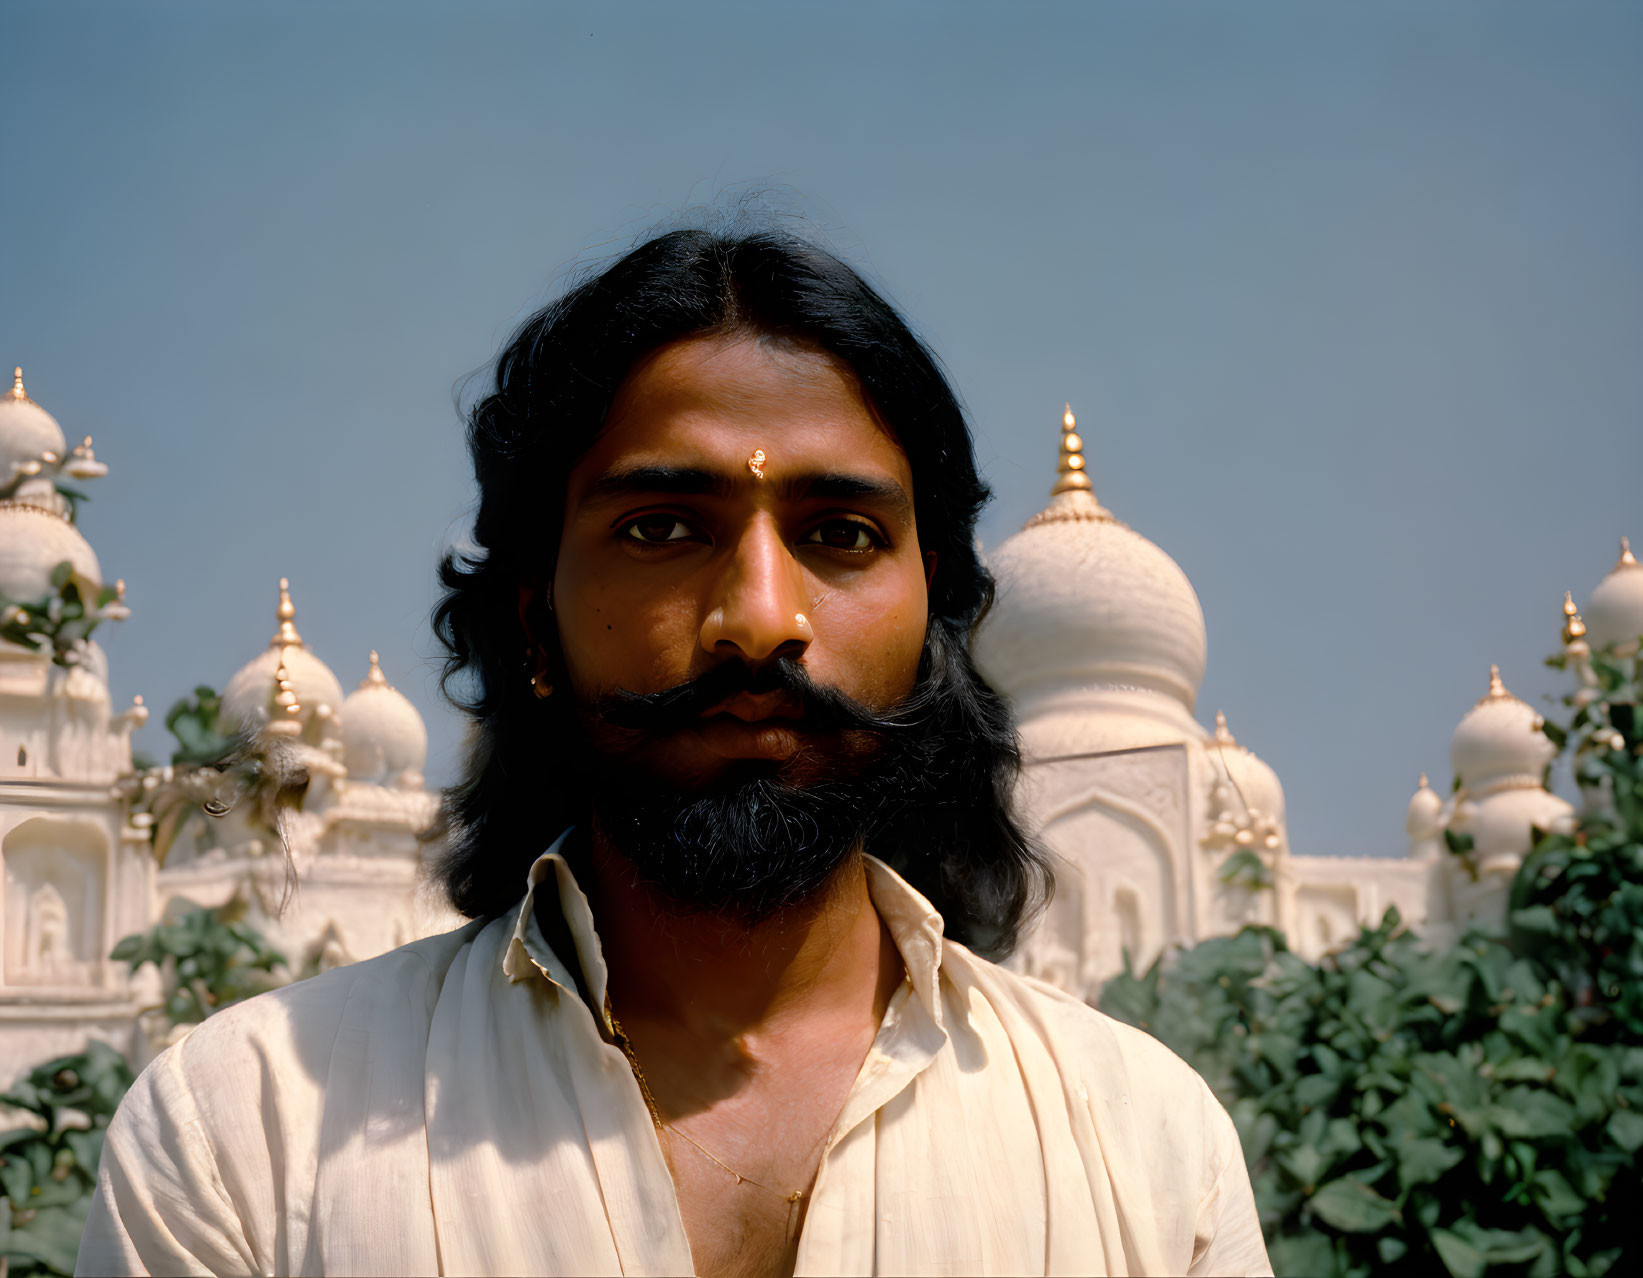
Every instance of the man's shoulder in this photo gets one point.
(1084, 1041)
(392, 994)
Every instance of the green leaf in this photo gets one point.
(1353, 1207)
(51, 1236)
(1459, 844)
(1556, 1197)
(1538, 919)
(1524, 1069)
(1423, 1159)
(1625, 1128)
(128, 948)
(1305, 1164)
(1309, 1251)
(1528, 1112)
(62, 574)
(1459, 1257)
(1316, 1089)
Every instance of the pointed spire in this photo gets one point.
(284, 711)
(1425, 784)
(1072, 499)
(1223, 734)
(1573, 627)
(286, 636)
(1070, 476)
(17, 391)
(1627, 559)
(374, 678)
(1497, 689)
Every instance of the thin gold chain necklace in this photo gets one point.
(791, 1197)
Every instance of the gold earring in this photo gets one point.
(539, 686)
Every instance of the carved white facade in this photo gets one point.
(1167, 832)
(78, 869)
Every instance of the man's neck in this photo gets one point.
(715, 978)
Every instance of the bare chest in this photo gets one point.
(736, 1229)
(743, 1180)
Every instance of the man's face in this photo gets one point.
(676, 556)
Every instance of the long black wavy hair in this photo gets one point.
(554, 385)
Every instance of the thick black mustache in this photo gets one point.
(821, 708)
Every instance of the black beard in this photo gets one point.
(762, 836)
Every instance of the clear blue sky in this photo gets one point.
(1349, 300)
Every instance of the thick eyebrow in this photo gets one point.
(685, 481)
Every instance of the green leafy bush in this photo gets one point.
(209, 960)
(61, 621)
(195, 722)
(1445, 1110)
(1472, 1110)
(48, 1168)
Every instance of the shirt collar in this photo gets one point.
(913, 923)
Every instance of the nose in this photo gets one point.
(758, 611)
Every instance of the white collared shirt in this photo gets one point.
(453, 1107)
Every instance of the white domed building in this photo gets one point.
(354, 843)
(75, 875)
(1614, 612)
(1499, 755)
(1165, 832)
(87, 855)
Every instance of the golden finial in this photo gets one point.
(83, 463)
(1497, 689)
(286, 636)
(1627, 559)
(1070, 476)
(1425, 784)
(1223, 734)
(374, 678)
(1573, 627)
(17, 391)
(285, 712)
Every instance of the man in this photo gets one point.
(713, 641)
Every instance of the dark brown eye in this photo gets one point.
(657, 530)
(843, 534)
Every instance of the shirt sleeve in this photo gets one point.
(1228, 1233)
(160, 1205)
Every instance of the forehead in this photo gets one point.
(710, 402)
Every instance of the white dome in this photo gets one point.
(1084, 601)
(384, 740)
(1614, 613)
(1253, 779)
(1499, 739)
(1502, 824)
(33, 541)
(246, 699)
(1424, 818)
(26, 430)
